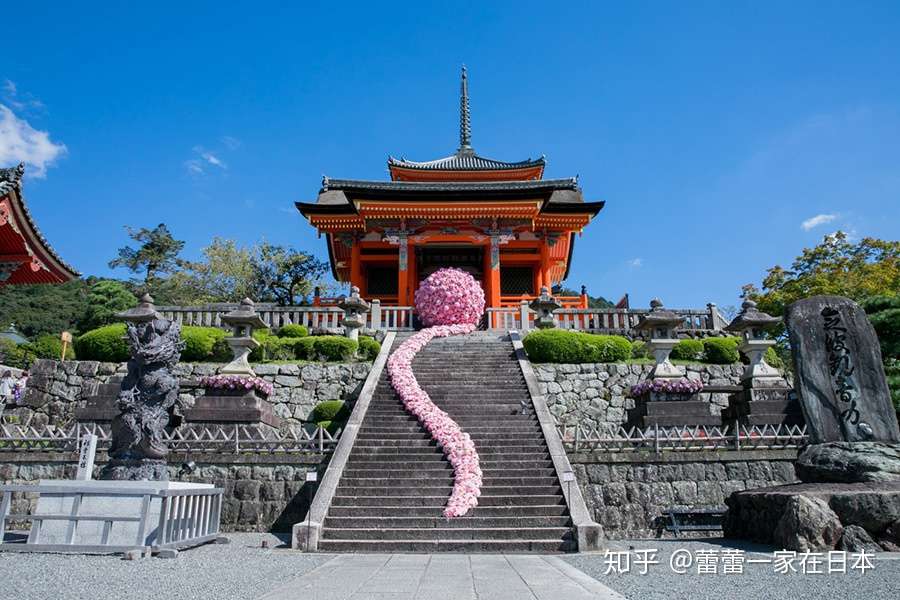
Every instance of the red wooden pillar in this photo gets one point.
(492, 274)
(403, 272)
(545, 264)
(356, 277)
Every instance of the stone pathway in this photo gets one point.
(443, 577)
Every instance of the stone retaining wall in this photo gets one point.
(56, 388)
(262, 493)
(627, 493)
(596, 394)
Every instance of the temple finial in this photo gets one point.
(465, 128)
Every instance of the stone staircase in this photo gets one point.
(396, 482)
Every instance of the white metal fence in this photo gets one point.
(522, 318)
(235, 439)
(581, 438)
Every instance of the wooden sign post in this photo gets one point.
(66, 338)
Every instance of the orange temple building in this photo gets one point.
(25, 256)
(502, 222)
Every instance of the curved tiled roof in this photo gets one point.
(465, 161)
(11, 181)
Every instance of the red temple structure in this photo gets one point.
(500, 221)
(25, 256)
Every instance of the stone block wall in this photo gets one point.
(627, 493)
(56, 388)
(262, 493)
(595, 394)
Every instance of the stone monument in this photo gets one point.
(148, 398)
(851, 422)
(850, 495)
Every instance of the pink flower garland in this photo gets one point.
(456, 444)
(450, 302)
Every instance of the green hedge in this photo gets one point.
(774, 359)
(721, 350)
(105, 344)
(559, 346)
(12, 355)
(330, 410)
(334, 348)
(368, 348)
(204, 344)
(293, 331)
(639, 349)
(688, 349)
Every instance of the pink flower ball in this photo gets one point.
(449, 297)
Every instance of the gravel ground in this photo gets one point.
(237, 570)
(757, 581)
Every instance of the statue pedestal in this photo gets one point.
(224, 406)
(763, 403)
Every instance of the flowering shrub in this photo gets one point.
(237, 382)
(672, 386)
(456, 444)
(449, 297)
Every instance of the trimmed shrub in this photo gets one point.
(688, 349)
(105, 344)
(721, 350)
(334, 348)
(330, 410)
(300, 348)
(48, 345)
(639, 349)
(293, 331)
(331, 426)
(773, 358)
(559, 346)
(17, 356)
(204, 344)
(368, 348)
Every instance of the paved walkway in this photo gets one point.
(443, 577)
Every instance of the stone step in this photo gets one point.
(461, 546)
(437, 511)
(533, 451)
(443, 479)
(445, 471)
(418, 500)
(536, 436)
(481, 442)
(500, 427)
(447, 533)
(428, 488)
(774, 419)
(466, 522)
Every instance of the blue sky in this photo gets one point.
(724, 136)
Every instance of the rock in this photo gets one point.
(839, 372)
(808, 525)
(849, 462)
(857, 539)
(266, 369)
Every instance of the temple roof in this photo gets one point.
(465, 164)
(25, 254)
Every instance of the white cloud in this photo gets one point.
(10, 87)
(194, 167)
(202, 159)
(816, 221)
(231, 143)
(20, 142)
(635, 263)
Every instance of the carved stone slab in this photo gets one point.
(839, 373)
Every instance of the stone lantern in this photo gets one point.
(751, 325)
(243, 321)
(355, 309)
(544, 305)
(661, 325)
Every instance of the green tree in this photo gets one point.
(593, 301)
(285, 275)
(837, 266)
(227, 273)
(156, 255)
(105, 298)
(37, 309)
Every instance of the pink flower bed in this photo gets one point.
(237, 382)
(451, 302)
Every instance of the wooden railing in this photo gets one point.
(391, 318)
(600, 319)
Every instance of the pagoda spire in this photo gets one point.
(465, 127)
